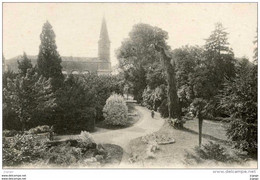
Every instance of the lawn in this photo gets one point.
(175, 155)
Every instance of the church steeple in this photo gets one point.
(104, 43)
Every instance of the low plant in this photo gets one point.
(63, 155)
(176, 123)
(22, 149)
(10, 133)
(39, 129)
(212, 151)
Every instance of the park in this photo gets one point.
(164, 107)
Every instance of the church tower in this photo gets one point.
(104, 43)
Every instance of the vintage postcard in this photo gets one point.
(129, 85)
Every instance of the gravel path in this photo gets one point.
(122, 137)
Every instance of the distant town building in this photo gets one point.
(78, 65)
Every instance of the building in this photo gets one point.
(79, 65)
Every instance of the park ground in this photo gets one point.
(173, 155)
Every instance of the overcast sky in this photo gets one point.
(77, 26)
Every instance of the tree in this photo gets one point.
(219, 56)
(75, 110)
(136, 55)
(188, 59)
(199, 108)
(170, 66)
(3, 64)
(24, 64)
(49, 60)
(217, 64)
(239, 101)
(30, 97)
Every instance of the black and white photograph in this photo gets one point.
(129, 85)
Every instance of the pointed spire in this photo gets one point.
(103, 33)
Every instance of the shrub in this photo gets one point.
(39, 129)
(163, 109)
(86, 137)
(176, 123)
(63, 155)
(115, 111)
(212, 151)
(103, 87)
(153, 98)
(243, 136)
(10, 133)
(22, 149)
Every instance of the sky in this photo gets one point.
(77, 25)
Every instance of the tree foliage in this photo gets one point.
(75, 110)
(49, 60)
(136, 55)
(30, 97)
(239, 100)
(24, 64)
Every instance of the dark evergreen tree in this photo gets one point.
(219, 56)
(239, 101)
(30, 97)
(3, 64)
(49, 60)
(170, 69)
(24, 64)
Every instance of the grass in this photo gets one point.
(133, 117)
(175, 155)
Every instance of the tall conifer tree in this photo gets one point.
(49, 60)
(24, 64)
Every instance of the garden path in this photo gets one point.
(122, 137)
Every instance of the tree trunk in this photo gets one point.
(200, 129)
(173, 100)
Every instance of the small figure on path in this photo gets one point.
(152, 113)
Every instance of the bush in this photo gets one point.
(63, 155)
(10, 133)
(103, 87)
(243, 136)
(115, 111)
(153, 98)
(39, 129)
(212, 151)
(163, 109)
(23, 149)
(215, 152)
(176, 123)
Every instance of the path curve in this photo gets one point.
(122, 137)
